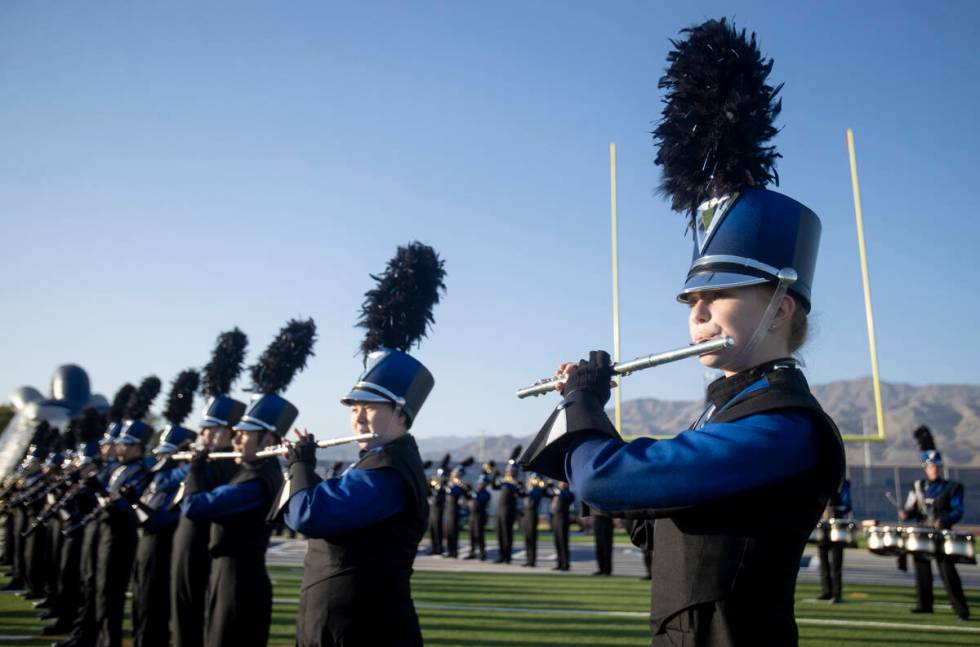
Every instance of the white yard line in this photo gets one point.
(867, 624)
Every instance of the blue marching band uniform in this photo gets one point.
(191, 535)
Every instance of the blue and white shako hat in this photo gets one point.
(713, 146)
(134, 431)
(512, 467)
(273, 372)
(217, 377)
(396, 315)
(395, 377)
(927, 446)
(179, 405)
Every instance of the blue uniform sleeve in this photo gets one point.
(225, 501)
(718, 460)
(168, 480)
(956, 503)
(357, 499)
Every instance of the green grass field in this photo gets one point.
(488, 609)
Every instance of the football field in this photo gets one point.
(488, 609)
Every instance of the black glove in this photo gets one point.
(302, 451)
(199, 463)
(593, 376)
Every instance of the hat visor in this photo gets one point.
(360, 395)
(128, 440)
(208, 422)
(709, 281)
(165, 448)
(249, 426)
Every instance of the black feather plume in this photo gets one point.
(90, 425)
(285, 357)
(398, 312)
(444, 465)
(226, 363)
(181, 398)
(118, 409)
(923, 436)
(718, 117)
(42, 434)
(515, 453)
(466, 462)
(426, 464)
(139, 404)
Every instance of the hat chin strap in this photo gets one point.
(787, 277)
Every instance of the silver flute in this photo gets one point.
(548, 384)
(275, 450)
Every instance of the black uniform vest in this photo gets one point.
(356, 588)
(246, 534)
(726, 571)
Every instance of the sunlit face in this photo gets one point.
(250, 442)
(932, 471)
(736, 313)
(378, 418)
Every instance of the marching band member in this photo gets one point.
(561, 505)
(437, 506)
(479, 501)
(937, 503)
(457, 491)
(832, 553)
(118, 534)
(151, 572)
(190, 566)
(239, 607)
(763, 441)
(533, 493)
(511, 491)
(365, 527)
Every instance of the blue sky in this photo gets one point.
(170, 170)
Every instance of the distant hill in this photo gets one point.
(951, 410)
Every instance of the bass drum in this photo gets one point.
(885, 540)
(958, 546)
(920, 541)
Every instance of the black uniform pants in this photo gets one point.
(435, 528)
(52, 528)
(190, 570)
(239, 602)
(478, 527)
(151, 589)
(35, 560)
(602, 528)
(452, 530)
(505, 534)
(69, 578)
(951, 582)
(19, 525)
(7, 556)
(85, 630)
(529, 524)
(831, 564)
(117, 549)
(560, 523)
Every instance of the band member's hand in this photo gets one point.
(594, 375)
(903, 515)
(937, 524)
(303, 450)
(200, 459)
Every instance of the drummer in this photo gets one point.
(937, 503)
(832, 553)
